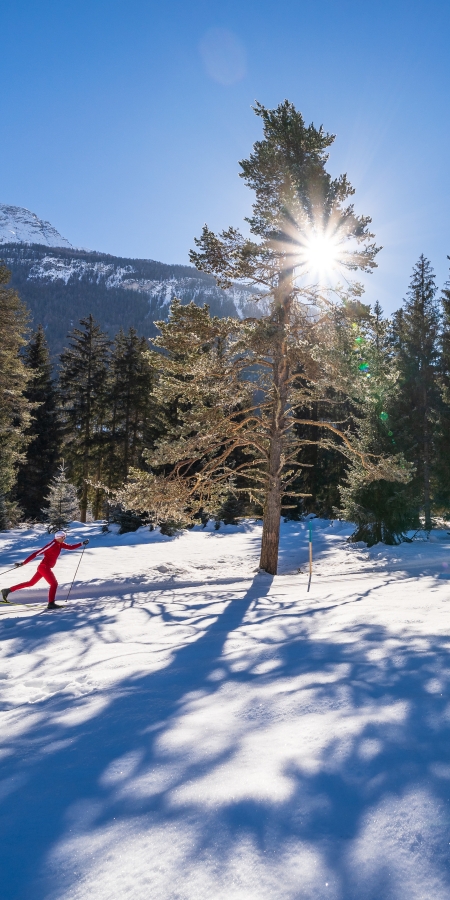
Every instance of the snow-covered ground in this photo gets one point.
(191, 729)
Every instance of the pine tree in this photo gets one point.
(238, 384)
(299, 211)
(14, 376)
(38, 467)
(62, 504)
(85, 412)
(418, 408)
(132, 405)
(442, 433)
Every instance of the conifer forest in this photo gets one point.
(319, 403)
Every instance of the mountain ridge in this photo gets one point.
(60, 285)
(20, 225)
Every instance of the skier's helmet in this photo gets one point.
(61, 534)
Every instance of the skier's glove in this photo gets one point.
(85, 542)
(18, 565)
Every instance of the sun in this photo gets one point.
(320, 254)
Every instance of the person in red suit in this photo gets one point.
(51, 552)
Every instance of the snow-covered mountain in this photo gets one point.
(60, 284)
(188, 285)
(20, 225)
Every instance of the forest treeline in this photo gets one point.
(113, 409)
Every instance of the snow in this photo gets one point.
(19, 225)
(189, 728)
(54, 268)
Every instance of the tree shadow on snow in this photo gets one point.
(58, 765)
(373, 805)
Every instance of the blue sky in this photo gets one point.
(123, 121)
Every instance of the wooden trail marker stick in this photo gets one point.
(310, 555)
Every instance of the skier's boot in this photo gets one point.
(54, 605)
(5, 593)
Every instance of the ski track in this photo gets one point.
(189, 728)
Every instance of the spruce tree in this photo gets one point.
(418, 407)
(85, 412)
(382, 510)
(132, 405)
(442, 434)
(61, 504)
(230, 510)
(14, 377)
(43, 450)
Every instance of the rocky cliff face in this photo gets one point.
(63, 284)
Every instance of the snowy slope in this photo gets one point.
(20, 225)
(190, 729)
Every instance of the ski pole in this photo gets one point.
(76, 570)
(310, 554)
(17, 566)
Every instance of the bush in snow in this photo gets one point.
(128, 521)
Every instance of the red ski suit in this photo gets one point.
(51, 552)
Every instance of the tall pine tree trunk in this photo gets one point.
(126, 450)
(272, 506)
(112, 445)
(87, 435)
(426, 469)
(85, 474)
(98, 492)
(272, 509)
(426, 488)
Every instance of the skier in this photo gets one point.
(51, 552)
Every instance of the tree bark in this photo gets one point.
(272, 506)
(87, 433)
(85, 473)
(426, 478)
(272, 511)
